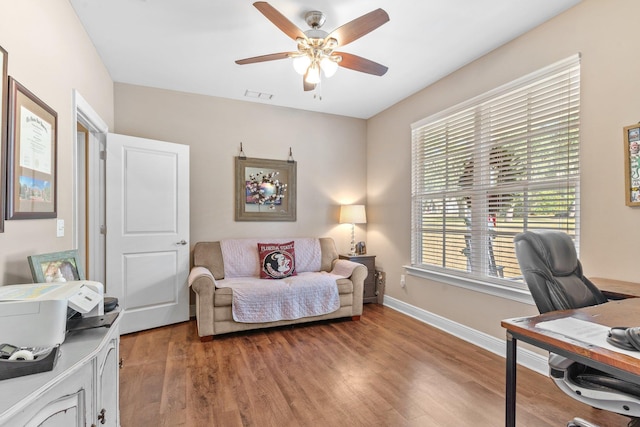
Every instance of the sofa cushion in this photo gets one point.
(277, 260)
(240, 256)
(329, 253)
(223, 296)
(209, 255)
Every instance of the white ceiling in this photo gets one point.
(191, 45)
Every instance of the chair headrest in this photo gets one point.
(554, 247)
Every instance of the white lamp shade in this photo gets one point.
(329, 67)
(301, 63)
(353, 214)
(313, 74)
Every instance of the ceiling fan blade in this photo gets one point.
(359, 27)
(279, 20)
(263, 58)
(357, 63)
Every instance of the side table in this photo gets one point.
(368, 261)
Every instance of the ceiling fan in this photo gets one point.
(316, 48)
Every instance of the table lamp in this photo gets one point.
(353, 214)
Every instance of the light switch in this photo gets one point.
(60, 228)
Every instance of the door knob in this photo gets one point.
(181, 242)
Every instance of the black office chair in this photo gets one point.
(553, 273)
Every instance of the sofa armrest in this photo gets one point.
(204, 285)
(360, 272)
(198, 272)
(358, 275)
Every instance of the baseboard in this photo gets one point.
(192, 311)
(526, 358)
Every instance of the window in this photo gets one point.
(494, 166)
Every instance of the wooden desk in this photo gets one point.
(616, 289)
(614, 313)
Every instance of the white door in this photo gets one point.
(147, 225)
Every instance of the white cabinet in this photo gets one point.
(61, 406)
(81, 390)
(63, 412)
(108, 385)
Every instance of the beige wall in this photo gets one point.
(50, 54)
(340, 160)
(330, 152)
(606, 34)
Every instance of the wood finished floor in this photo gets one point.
(385, 370)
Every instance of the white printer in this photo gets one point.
(35, 315)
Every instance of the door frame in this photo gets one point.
(84, 114)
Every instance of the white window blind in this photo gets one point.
(494, 166)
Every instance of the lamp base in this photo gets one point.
(352, 251)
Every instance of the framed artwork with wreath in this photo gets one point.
(265, 190)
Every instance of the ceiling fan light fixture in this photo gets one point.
(301, 64)
(329, 66)
(331, 43)
(316, 47)
(313, 74)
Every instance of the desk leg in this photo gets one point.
(510, 397)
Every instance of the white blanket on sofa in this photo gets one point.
(241, 257)
(265, 300)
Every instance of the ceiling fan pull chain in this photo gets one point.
(317, 92)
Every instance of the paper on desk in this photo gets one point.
(584, 331)
(26, 292)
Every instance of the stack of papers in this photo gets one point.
(584, 331)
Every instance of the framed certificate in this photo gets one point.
(31, 156)
(632, 165)
(3, 130)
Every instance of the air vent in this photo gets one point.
(258, 95)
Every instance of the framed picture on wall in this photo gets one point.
(31, 155)
(265, 190)
(632, 165)
(3, 130)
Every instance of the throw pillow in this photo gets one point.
(277, 260)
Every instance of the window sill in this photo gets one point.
(495, 289)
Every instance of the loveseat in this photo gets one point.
(228, 271)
